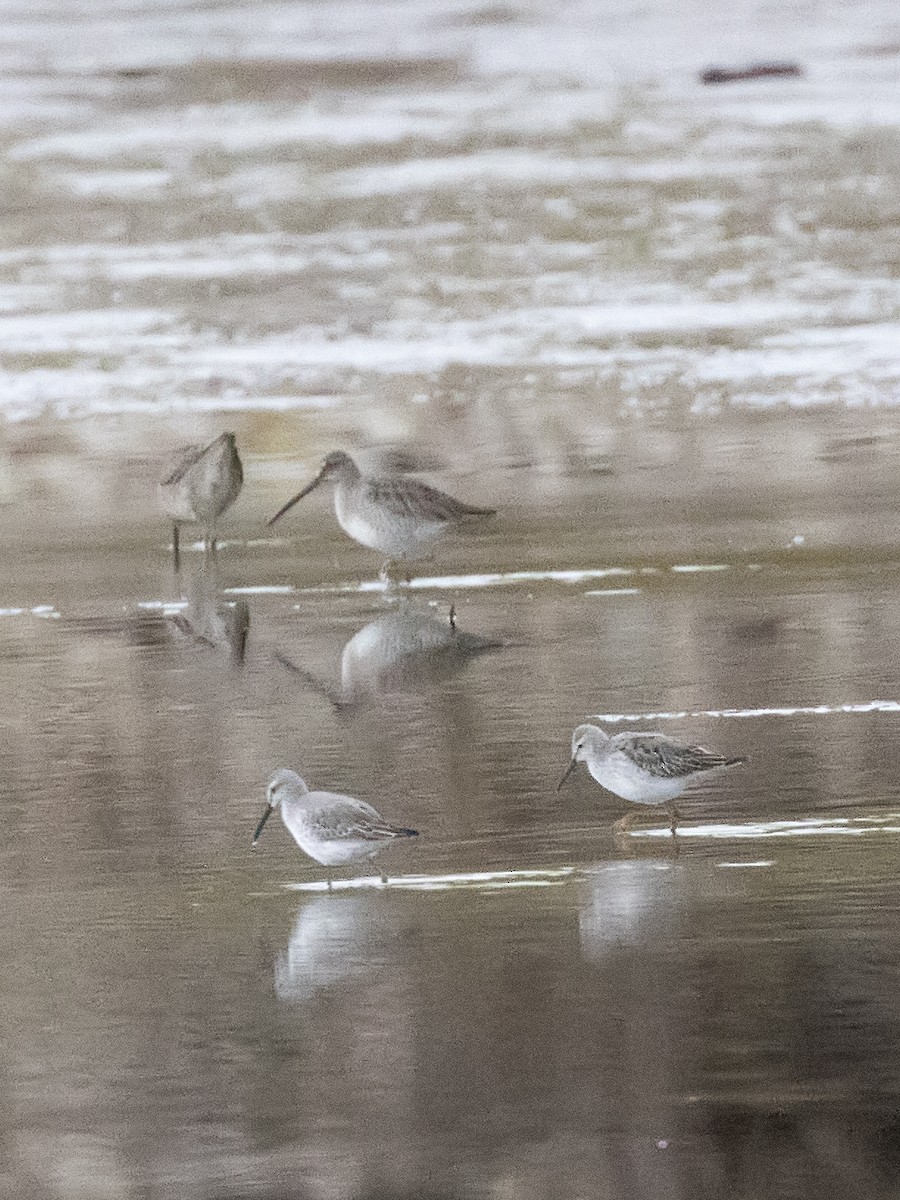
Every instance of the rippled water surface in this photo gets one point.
(534, 1006)
(519, 247)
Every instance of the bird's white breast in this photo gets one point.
(618, 774)
(392, 534)
(330, 852)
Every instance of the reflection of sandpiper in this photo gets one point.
(399, 516)
(203, 483)
(398, 652)
(331, 828)
(211, 621)
(336, 938)
(645, 768)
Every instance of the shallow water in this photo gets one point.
(535, 1006)
(655, 324)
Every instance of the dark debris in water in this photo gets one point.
(763, 70)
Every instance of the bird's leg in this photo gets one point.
(328, 879)
(176, 547)
(384, 879)
(623, 824)
(452, 616)
(673, 818)
(391, 587)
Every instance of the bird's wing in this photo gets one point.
(413, 499)
(665, 758)
(189, 455)
(357, 821)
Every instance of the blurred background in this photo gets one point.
(537, 251)
(516, 238)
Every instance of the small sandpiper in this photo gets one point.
(331, 828)
(399, 516)
(204, 482)
(645, 768)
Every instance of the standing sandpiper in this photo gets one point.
(329, 827)
(203, 483)
(399, 516)
(645, 768)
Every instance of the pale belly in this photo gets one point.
(397, 537)
(333, 853)
(619, 775)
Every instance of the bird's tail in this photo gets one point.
(734, 762)
(405, 832)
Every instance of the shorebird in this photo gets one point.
(645, 768)
(331, 828)
(399, 516)
(202, 484)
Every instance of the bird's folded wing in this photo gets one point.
(415, 500)
(189, 456)
(357, 822)
(668, 759)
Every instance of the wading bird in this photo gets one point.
(645, 768)
(331, 828)
(400, 516)
(204, 482)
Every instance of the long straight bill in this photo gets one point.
(290, 504)
(569, 769)
(262, 822)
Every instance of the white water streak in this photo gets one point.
(860, 706)
(803, 827)
(614, 592)
(483, 880)
(505, 578)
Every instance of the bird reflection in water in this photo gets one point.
(629, 904)
(399, 651)
(335, 940)
(210, 620)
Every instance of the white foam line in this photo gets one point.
(229, 543)
(262, 589)
(492, 579)
(615, 592)
(47, 611)
(761, 830)
(430, 883)
(696, 568)
(861, 706)
(762, 862)
(226, 543)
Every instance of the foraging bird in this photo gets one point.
(329, 827)
(645, 768)
(205, 481)
(399, 516)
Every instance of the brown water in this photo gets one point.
(535, 1008)
(655, 324)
